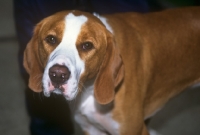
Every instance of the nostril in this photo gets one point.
(59, 74)
(65, 76)
(53, 74)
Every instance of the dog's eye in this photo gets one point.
(87, 46)
(51, 40)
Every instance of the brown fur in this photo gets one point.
(110, 74)
(159, 58)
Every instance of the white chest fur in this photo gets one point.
(94, 118)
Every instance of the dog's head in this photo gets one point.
(67, 50)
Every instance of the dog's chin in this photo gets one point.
(57, 91)
(68, 96)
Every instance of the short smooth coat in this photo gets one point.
(137, 63)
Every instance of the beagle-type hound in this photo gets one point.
(120, 68)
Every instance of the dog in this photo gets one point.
(120, 68)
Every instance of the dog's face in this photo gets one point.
(69, 49)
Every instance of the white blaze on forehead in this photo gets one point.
(67, 47)
(73, 26)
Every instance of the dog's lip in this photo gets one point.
(67, 89)
(58, 91)
(47, 93)
(52, 87)
(60, 88)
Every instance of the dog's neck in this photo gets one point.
(86, 97)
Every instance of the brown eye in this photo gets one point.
(87, 46)
(50, 39)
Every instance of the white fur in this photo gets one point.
(91, 119)
(104, 21)
(67, 54)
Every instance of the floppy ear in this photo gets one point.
(110, 75)
(32, 63)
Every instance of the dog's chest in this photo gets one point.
(94, 121)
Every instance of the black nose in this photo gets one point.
(58, 74)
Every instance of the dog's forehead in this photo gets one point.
(81, 27)
(66, 21)
(73, 26)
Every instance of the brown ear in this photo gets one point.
(110, 75)
(32, 63)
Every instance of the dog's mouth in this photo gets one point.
(57, 88)
(68, 91)
(58, 91)
(58, 84)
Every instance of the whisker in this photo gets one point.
(82, 85)
(75, 101)
(34, 95)
(39, 83)
(38, 76)
(40, 97)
